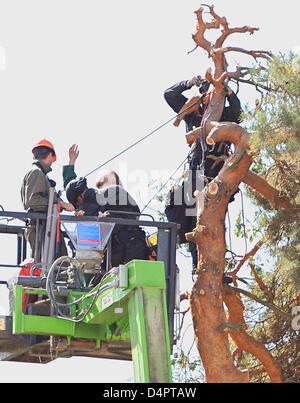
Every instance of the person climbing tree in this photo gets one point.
(205, 161)
(201, 153)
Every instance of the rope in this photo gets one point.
(161, 188)
(139, 141)
(203, 146)
(203, 122)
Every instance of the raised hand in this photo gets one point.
(73, 154)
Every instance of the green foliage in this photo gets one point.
(275, 124)
(272, 329)
(187, 369)
(275, 141)
(245, 229)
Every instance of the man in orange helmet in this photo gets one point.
(36, 185)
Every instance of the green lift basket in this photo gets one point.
(128, 315)
(136, 313)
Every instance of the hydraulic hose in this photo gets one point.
(49, 287)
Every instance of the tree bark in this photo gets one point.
(243, 340)
(273, 195)
(207, 297)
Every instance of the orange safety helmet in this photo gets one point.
(45, 143)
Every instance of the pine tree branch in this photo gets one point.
(262, 302)
(256, 85)
(273, 195)
(268, 293)
(245, 341)
(249, 255)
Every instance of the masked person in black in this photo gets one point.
(128, 242)
(199, 158)
(231, 113)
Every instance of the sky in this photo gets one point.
(93, 73)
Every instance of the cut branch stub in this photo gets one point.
(197, 233)
(190, 106)
(212, 189)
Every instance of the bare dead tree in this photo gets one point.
(209, 295)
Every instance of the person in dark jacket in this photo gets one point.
(175, 98)
(128, 242)
(199, 159)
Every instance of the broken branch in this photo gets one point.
(273, 195)
(261, 284)
(243, 340)
(262, 302)
(249, 255)
(254, 53)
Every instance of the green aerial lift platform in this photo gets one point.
(135, 314)
(128, 315)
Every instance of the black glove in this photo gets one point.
(197, 80)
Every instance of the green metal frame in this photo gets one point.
(139, 312)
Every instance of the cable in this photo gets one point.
(128, 148)
(140, 140)
(134, 144)
(79, 317)
(159, 190)
(49, 287)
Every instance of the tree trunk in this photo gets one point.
(207, 299)
(207, 294)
